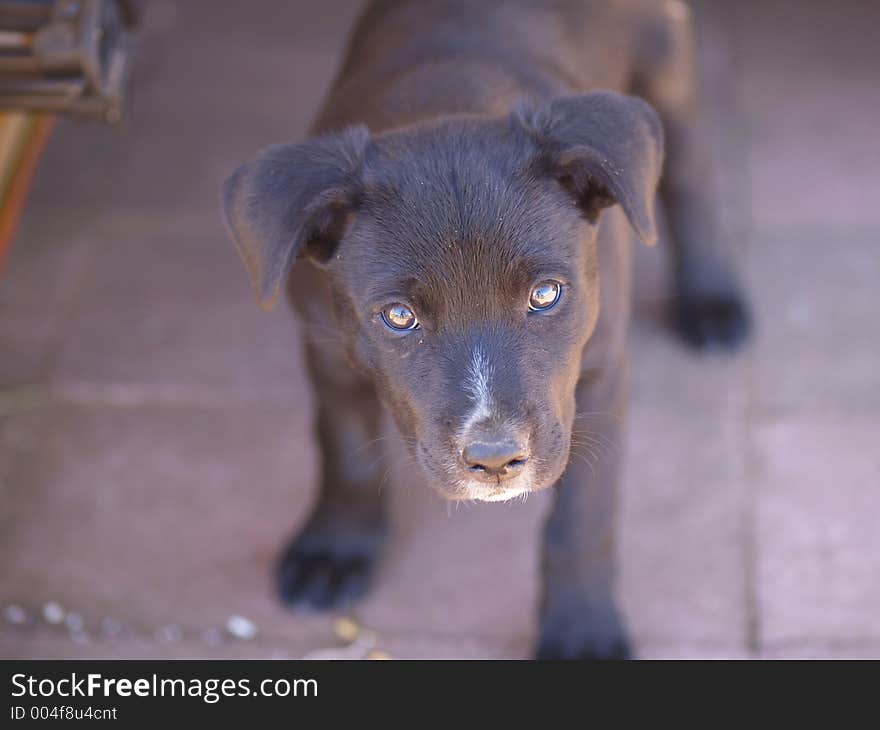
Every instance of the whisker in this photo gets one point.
(588, 445)
(596, 438)
(599, 446)
(368, 443)
(585, 460)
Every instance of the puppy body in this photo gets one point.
(414, 61)
(479, 168)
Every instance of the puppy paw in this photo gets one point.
(328, 567)
(712, 321)
(583, 636)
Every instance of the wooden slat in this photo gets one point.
(22, 140)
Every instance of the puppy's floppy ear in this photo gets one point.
(605, 148)
(293, 200)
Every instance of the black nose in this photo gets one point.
(494, 460)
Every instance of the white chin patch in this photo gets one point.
(504, 496)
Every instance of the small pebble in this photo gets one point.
(240, 627)
(53, 613)
(74, 621)
(170, 634)
(15, 614)
(357, 649)
(346, 629)
(378, 654)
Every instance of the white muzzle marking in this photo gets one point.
(477, 384)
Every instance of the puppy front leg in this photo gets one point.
(578, 615)
(331, 561)
(710, 309)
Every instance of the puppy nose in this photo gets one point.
(495, 460)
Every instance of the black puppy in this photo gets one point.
(449, 223)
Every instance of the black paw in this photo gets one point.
(583, 636)
(328, 567)
(712, 321)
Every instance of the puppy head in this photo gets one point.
(463, 264)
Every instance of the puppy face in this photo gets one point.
(463, 264)
(466, 285)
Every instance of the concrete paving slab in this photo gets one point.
(808, 87)
(37, 283)
(818, 344)
(683, 535)
(158, 307)
(817, 514)
(154, 516)
(800, 650)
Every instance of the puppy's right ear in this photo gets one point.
(293, 200)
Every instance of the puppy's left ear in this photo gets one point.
(603, 147)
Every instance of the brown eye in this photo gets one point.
(399, 317)
(544, 295)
